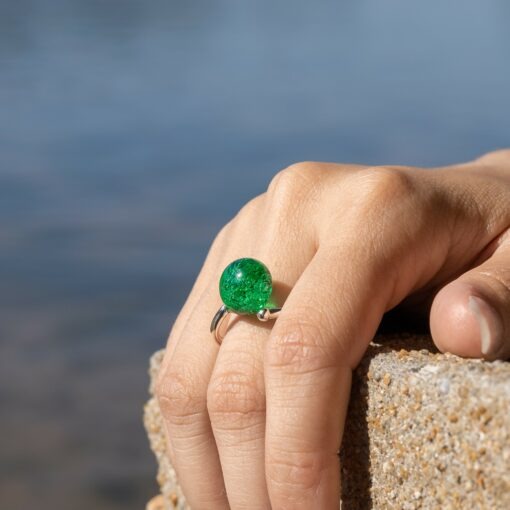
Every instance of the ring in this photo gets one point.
(246, 286)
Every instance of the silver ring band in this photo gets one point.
(219, 324)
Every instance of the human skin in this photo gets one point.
(257, 422)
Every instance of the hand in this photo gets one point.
(257, 423)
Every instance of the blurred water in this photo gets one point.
(131, 131)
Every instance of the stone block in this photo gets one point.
(424, 430)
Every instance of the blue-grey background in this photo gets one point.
(131, 130)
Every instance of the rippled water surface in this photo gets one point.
(131, 131)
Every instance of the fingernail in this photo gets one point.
(491, 336)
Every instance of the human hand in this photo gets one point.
(257, 423)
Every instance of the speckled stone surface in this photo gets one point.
(171, 494)
(424, 430)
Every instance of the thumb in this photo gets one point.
(470, 316)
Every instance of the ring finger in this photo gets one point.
(237, 405)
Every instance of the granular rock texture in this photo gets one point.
(171, 493)
(424, 430)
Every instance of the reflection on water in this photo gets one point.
(131, 131)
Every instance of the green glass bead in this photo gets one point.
(245, 286)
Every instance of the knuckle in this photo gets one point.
(233, 394)
(291, 197)
(298, 345)
(179, 397)
(390, 200)
(386, 184)
(295, 180)
(290, 473)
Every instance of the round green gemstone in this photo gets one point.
(245, 286)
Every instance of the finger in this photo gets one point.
(183, 387)
(236, 405)
(471, 315)
(214, 255)
(182, 400)
(216, 251)
(316, 341)
(236, 395)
